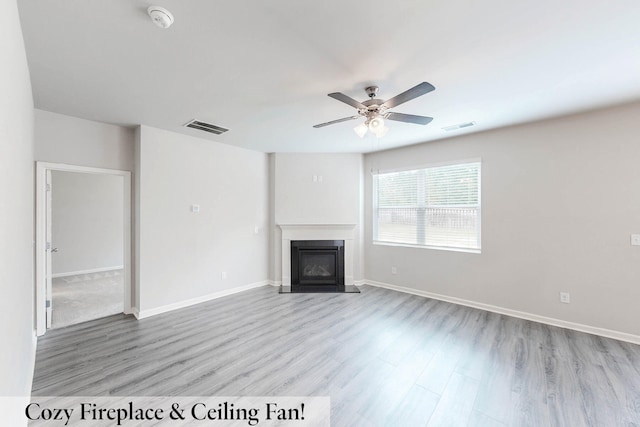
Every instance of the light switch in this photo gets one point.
(195, 208)
(635, 240)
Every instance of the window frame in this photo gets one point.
(374, 230)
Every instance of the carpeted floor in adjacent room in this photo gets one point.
(84, 297)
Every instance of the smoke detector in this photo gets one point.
(160, 16)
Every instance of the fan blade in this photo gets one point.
(335, 121)
(414, 92)
(346, 99)
(409, 118)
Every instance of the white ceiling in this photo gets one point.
(264, 68)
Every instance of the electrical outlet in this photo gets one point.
(195, 208)
(635, 240)
(394, 270)
(223, 275)
(565, 297)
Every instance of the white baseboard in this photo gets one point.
(608, 333)
(90, 271)
(359, 282)
(141, 314)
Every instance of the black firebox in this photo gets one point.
(317, 266)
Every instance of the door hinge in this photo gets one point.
(48, 303)
(48, 246)
(48, 187)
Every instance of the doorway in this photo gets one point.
(83, 244)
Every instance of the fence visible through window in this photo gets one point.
(430, 226)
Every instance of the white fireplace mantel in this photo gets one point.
(291, 232)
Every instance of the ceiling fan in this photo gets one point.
(376, 110)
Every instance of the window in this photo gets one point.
(435, 207)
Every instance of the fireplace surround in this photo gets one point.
(293, 232)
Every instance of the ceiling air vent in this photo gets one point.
(459, 126)
(196, 124)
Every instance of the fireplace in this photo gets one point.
(317, 266)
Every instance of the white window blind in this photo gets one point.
(431, 207)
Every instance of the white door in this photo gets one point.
(49, 250)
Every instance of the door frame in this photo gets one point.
(41, 218)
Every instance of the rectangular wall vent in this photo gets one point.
(459, 126)
(207, 127)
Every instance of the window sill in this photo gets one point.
(438, 248)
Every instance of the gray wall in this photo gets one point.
(181, 254)
(87, 222)
(74, 141)
(560, 199)
(17, 333)
(331, 199)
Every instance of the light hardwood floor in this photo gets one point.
(385, 358)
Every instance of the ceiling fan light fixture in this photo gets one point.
(361, 130)
(380, 132)
(375, 124)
